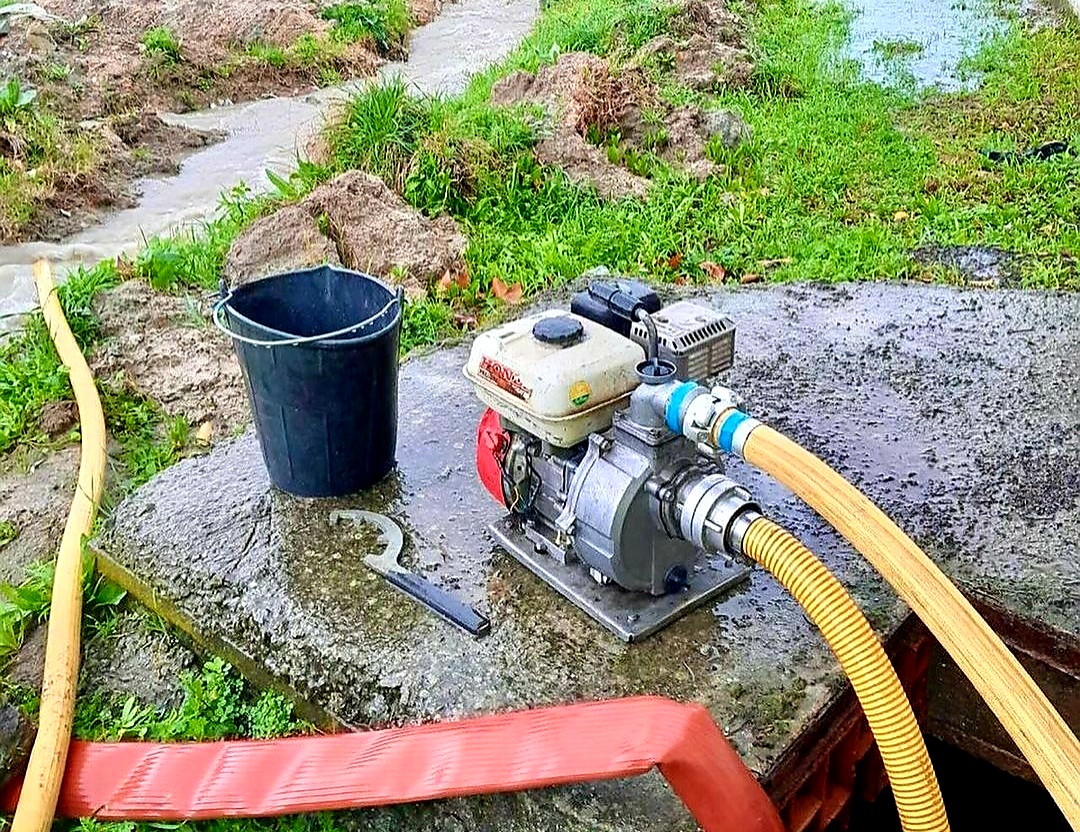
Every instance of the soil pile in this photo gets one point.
(354, 221)
(607, 122)
(165, 348)
(578, 92)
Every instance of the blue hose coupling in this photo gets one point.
(734, 431)
(676, 404)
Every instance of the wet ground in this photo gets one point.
(269, 135)
(923, 396)
(927, 41)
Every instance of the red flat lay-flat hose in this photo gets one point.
(482, 755)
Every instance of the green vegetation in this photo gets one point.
(38, 153)
(893, 49)
(217, 705)
(28, 603)
(163, 44)
(386, 22)
(31, 376)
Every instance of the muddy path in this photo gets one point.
(267, 134)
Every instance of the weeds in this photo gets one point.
(217, 705)
(31, 374)
(26, 604)
(15, 98)
(386, 22)
(162, 44)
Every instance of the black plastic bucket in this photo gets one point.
(319, 351)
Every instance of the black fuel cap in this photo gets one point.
(560, 330)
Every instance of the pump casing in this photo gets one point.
(594, 480)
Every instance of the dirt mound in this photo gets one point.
(424, 11)
(706, 49)
(164, 347)
(377, 232)
(289, 239)
(703, 64)
(579, 93)
(35, 503)
(586, 101)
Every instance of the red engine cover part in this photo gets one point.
(492, 443)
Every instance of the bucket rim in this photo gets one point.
(394, 293)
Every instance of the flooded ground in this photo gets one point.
(892, 39)
(268, 135)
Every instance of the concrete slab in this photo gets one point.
(957, 410)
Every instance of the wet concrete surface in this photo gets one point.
(269, 134)
(957, 410)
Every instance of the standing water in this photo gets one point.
(268, 134)
(919, 40)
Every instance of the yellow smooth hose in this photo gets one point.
(1023, 709)
(45, 770)
(862, 658)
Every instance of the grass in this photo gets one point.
(217, 705)
(385, 22)
(26, 604)
(163, 44)
(39, 154)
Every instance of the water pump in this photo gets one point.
(617, 510)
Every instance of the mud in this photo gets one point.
(286, 240)
(600, 120)
(910, 391)
(165, 347)
(16, 739)
(981, 265)
(378, 233)
(137, 657)
(356, 221)
(36, 503)
(89, 65)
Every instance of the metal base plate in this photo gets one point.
(630, 615)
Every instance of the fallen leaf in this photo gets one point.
(205, 434)
(714, 270)
(449, 280)
(749, 278)
(780, 261)
(511, 295)
(901, 216)
(674, 261)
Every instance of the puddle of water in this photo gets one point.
(268, 134)
(926, 40)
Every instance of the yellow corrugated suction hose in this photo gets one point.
(863, 660)
(1023, 709)
(45, 770)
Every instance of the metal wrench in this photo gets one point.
(439, 601)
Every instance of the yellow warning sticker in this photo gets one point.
(579, 393)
